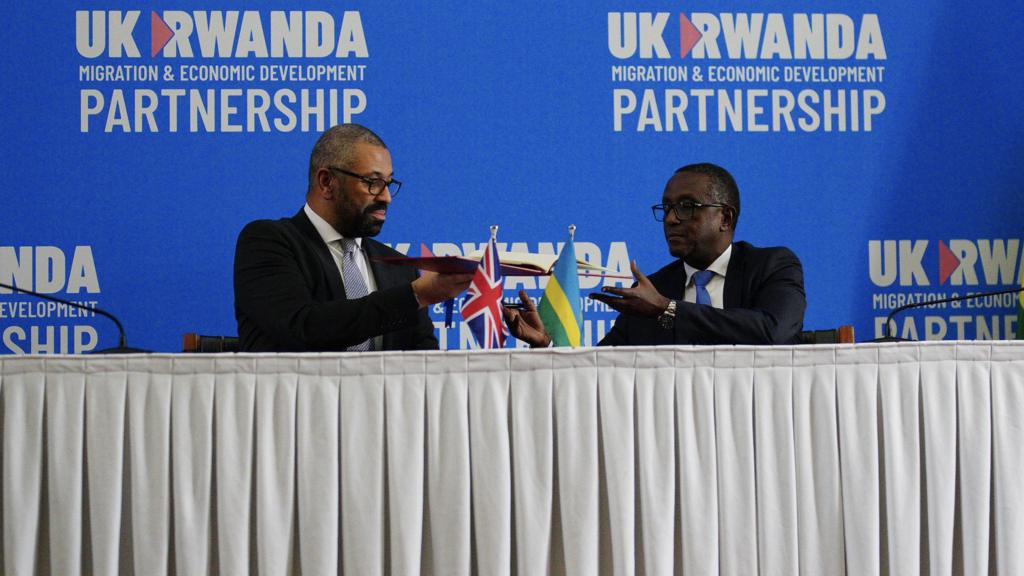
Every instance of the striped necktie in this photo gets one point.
(355, 286)
(700, 281)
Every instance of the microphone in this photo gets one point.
(889, 337)
(122, 342)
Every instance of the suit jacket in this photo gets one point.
(764, 304)
(289, 295)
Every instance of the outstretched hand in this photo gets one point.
(526, 324)
(642, 300)
(432, 287)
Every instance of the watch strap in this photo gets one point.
(667, 320)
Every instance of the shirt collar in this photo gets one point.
(719, 266)
(326, 231)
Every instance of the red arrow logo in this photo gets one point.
(688, 35)
(948, 262)
(162, 34)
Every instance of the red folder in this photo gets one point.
(457, 265)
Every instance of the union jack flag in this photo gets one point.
(482, 311)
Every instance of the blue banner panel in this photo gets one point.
(879, 141)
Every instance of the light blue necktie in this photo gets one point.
(355, 286)
(700, 281)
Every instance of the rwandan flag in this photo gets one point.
(560, 305)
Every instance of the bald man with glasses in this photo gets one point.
(310, 282)
(716, 292)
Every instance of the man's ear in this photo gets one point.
(323, 183)
(728, 218)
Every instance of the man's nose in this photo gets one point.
(670, 216)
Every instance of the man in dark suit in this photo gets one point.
(309, 282)
(717, 292)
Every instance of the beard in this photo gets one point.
(360, 224)
(368, 225)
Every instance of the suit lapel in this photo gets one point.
(735, 278)
(383, 274)
(331, 274)
(675, 287)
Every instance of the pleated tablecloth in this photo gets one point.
(815, 460)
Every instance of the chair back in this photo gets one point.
(192, 342)
(840, 335)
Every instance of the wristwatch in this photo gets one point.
(667, 320)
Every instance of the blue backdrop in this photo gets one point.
(879, 141)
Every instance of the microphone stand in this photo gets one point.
(122, 342)
(889, 337)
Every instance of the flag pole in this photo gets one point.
(494, 232)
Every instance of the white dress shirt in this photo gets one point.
(716, 286)
(333, 239)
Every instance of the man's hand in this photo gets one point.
(526, 324)
(642, 300)
(432, 287)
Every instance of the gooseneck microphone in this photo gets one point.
(122, 341)
(889, 337)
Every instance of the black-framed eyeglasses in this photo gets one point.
(374, 185)
(684, 210)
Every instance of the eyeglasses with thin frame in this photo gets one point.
(684, 210)
(374, 185)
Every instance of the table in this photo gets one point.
(828, 459)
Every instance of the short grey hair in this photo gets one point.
(335, 147)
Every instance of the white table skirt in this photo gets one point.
(816, 460)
